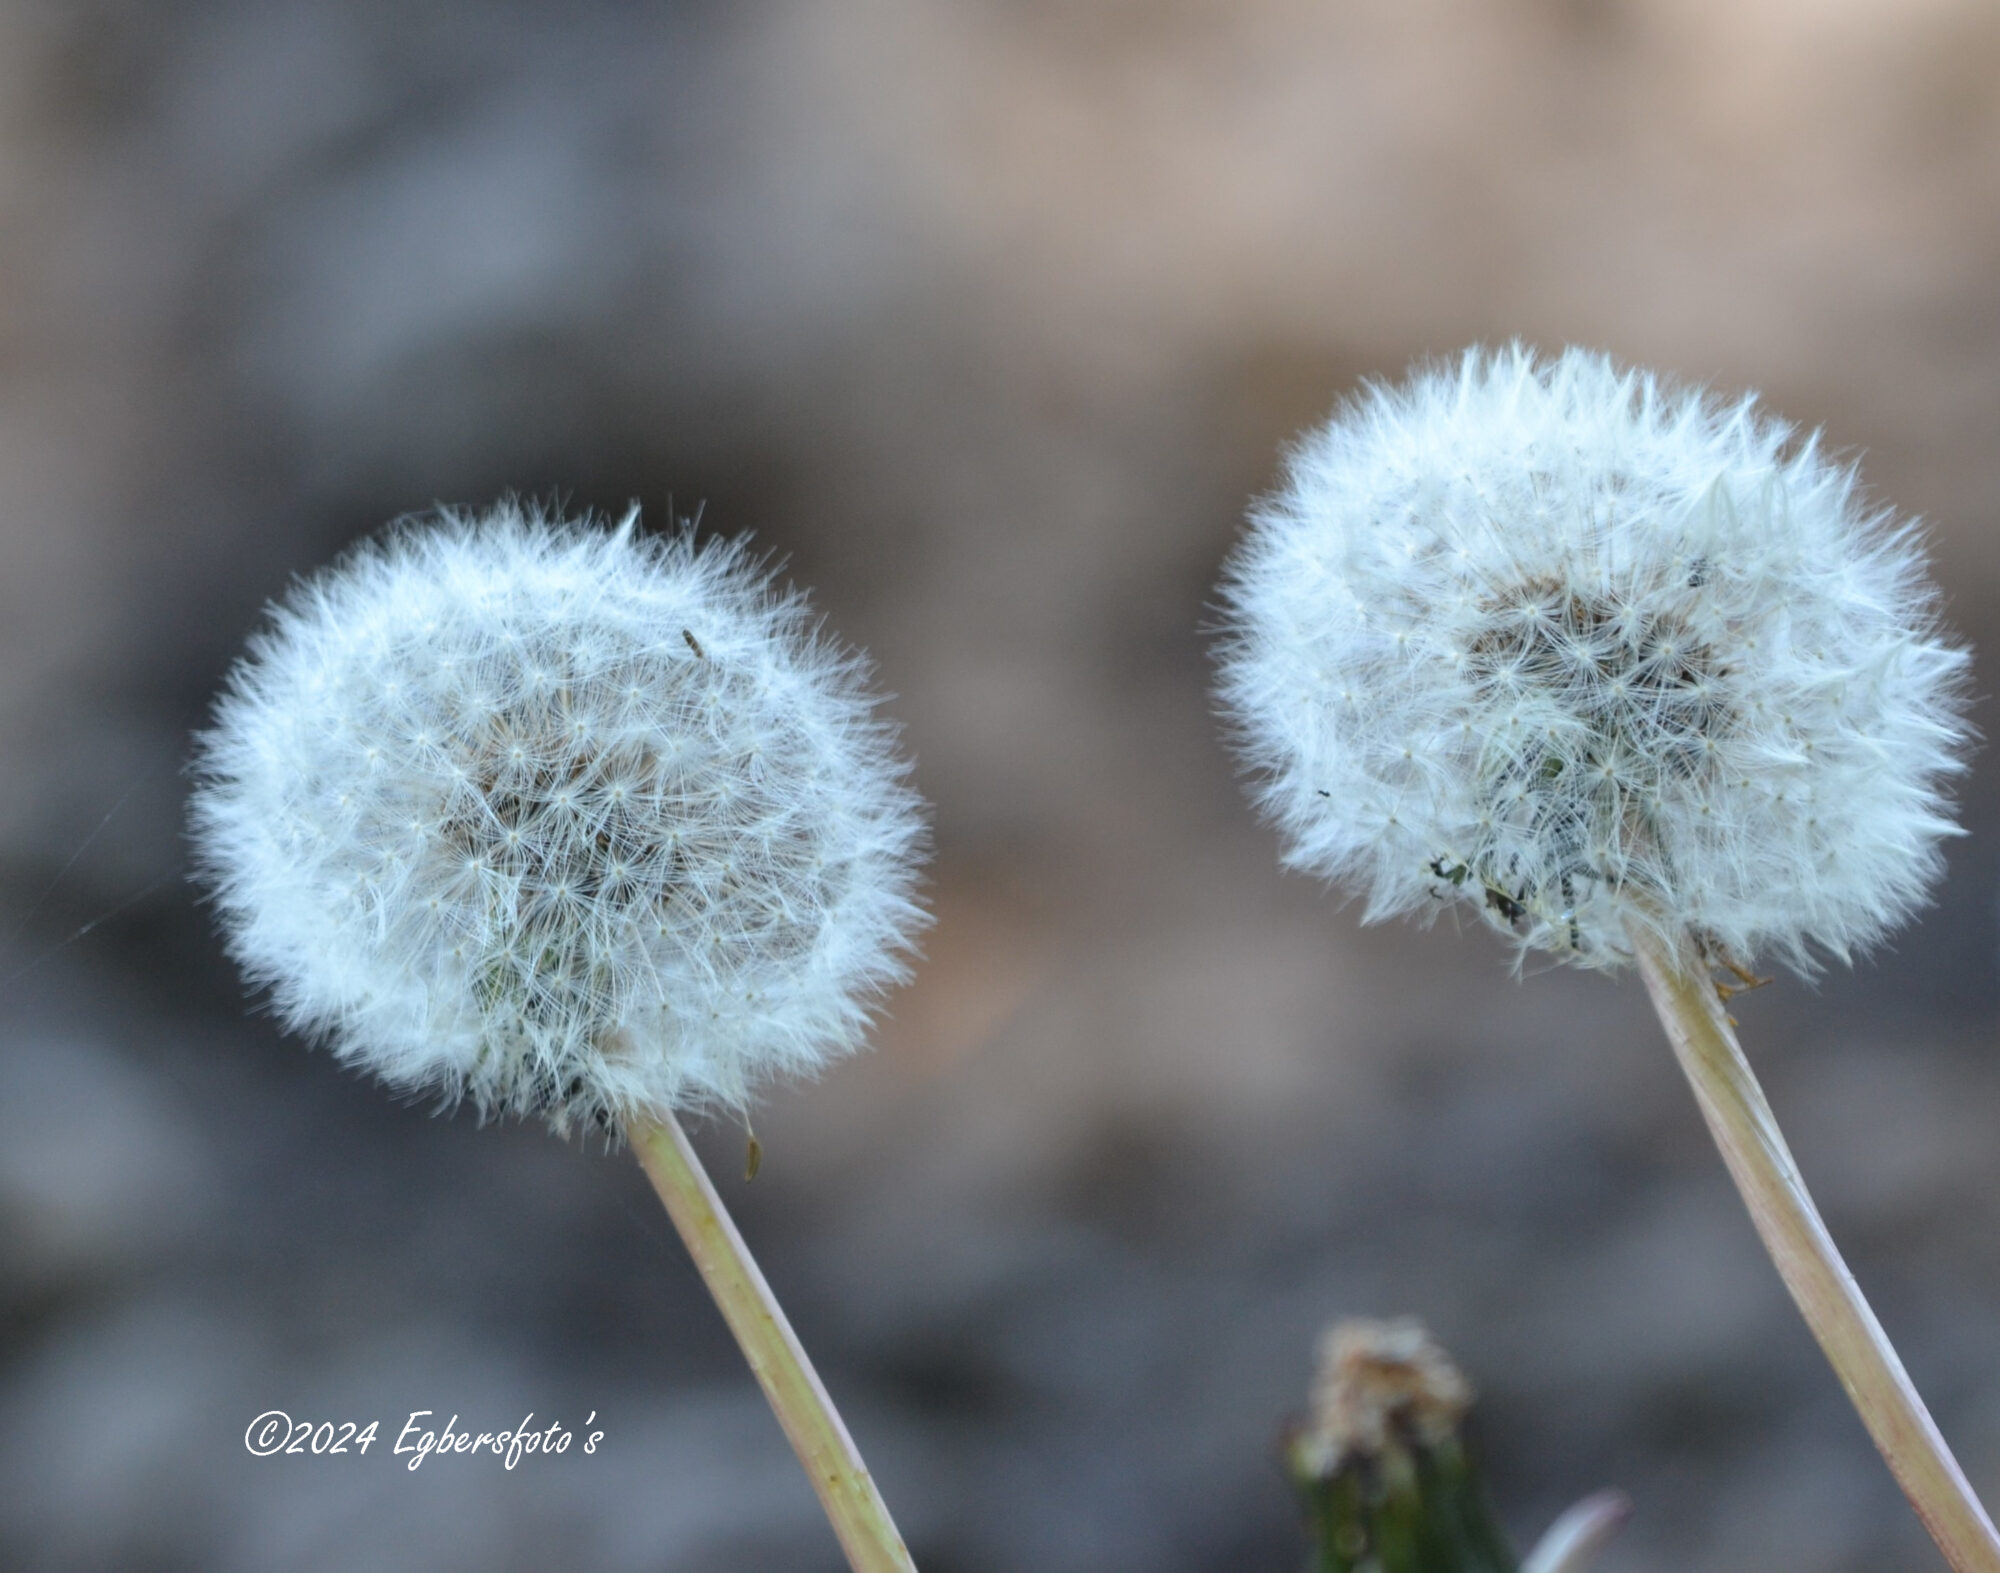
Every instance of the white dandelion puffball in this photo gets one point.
(559, 819)
(1575, 647)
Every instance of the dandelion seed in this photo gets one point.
(662, 831)
(1594, 637)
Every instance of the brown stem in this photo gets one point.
(859, 1516)
(1754, 1148)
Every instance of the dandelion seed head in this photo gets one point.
(559, 819)
(1558, 641)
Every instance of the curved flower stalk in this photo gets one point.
(578, 823)
(1633, 673)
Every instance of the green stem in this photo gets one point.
(846, 1491)
(1754, 1148)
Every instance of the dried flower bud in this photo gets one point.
(558, 819)
(1387, 1482)
(1575, 648)
(1380, 1385)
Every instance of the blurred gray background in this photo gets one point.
(989, 316)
